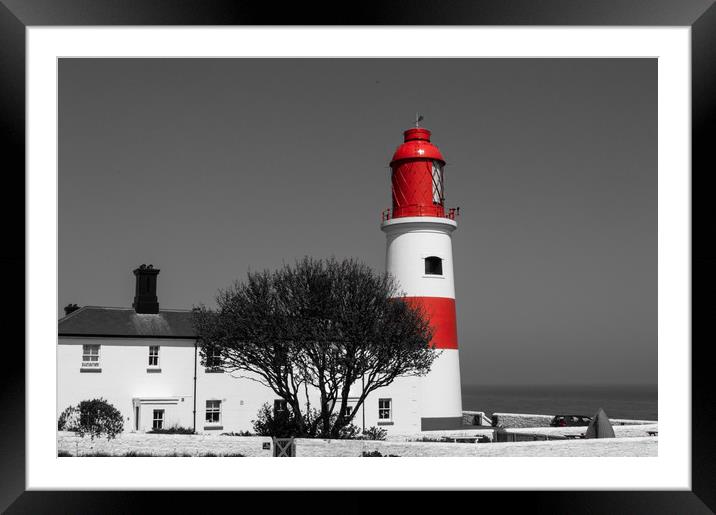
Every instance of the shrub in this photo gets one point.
(371, 454)
(69, 419)
(375, 433)
(285, 424)
(95, 417)
(282, 424)
(174, 430)
(349, 432)
(346, 432)
(240, 433)
(376, 454)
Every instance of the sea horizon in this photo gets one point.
(631, 401)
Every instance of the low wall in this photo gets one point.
(521, 420)
(630, 422)
(534, 420)
(438, 434)
(196, 445)
(620, 431)
(162, 445)
(625, 431)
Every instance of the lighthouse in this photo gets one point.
(419, 255)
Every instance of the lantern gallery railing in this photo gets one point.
(452, 213)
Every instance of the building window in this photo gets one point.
(349, 410)
(433, 266)
(213, 358)
(154, 355)
(385, 409)
(158, 419)
(280, 406)
(90, 356)
(213, 412)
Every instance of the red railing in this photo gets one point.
(452, 214)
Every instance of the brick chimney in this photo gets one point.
(145, 296)
(69, 308)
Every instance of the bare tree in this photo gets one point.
(319, 326)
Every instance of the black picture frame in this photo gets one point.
(17, 15)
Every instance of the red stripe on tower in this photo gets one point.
(441, 313)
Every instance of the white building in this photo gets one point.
(145, 361)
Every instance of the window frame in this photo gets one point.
(155, 356)
(91, 364)
(389, 409)
(212, 410)
(438, 180)
(213, 356)
(160, 419)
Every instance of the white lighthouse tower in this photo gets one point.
(419, 256)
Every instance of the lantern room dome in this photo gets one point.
(417, 145)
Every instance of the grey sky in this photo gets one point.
(210, 167)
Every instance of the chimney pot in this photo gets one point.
(69, 308)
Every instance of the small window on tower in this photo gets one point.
(433, 266)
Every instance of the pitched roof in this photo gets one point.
(125, 322)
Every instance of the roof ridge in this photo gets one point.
(99, 320)
(71, 314)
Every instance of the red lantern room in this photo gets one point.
(417, 176)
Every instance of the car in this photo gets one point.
(570, 420)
